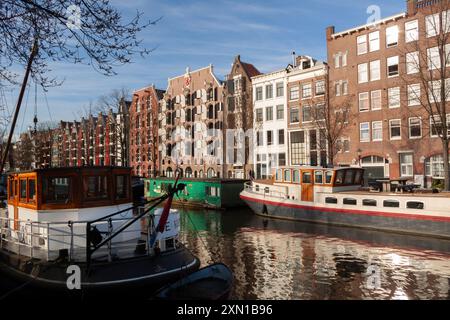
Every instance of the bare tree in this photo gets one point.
(112, 101)
(77, 31)
(427, 75)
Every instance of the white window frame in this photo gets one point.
(297, 88)
(392, 61)
(363, 97)
(374, 41)
(432, 25)
(308, 87)
(433, 58)
(377, 127)
(409, 171)
(411, 31)
(373, 95)
(363, 70)
(337, 88)
(344, 58)
(394, 96)
(410, 127)
(390, 129)
(366, 124)
(361, 43)
(344, 86)
(337, 60)
(414, 95)
(412, 62)
(392, 34)
(437, 120)
(375, 70)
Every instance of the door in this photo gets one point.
(307, 186)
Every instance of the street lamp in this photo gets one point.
(359, 156)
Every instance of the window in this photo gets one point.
(294, 115)
(32, 190)
(269, 113)
(56, 190)
(377, 131)
(362, 73)
(95, 187)
(259, 139)
(269, 91)
(281, 159)
(259, 115)
(414, 95)
(281, 137)
(349, 177)
(328, 177)
(374, 41)
(337, 61)
(375, 72)
(394, 97)
(392, 36)
(349, 202)
(306, 177)
(344, 59)
(392, 65)
(121, 187)
(369, 203)
(298, 148)
(364, 104)
(412, 62)
(406, 164)
(434, 60)
(296, 176)
(269, 138)
(434, 90)
(362, 44)
(259, 93)
(415, 205)
(435, 166)
(375, 97)
(337, 88)
(280, 112)
(391, 204)
(307, 91)
(280, 89)
(306, 112)
(331, 200)
(415, 128)
(364, 132)
(287, 175)
(318, 177)
(23, 190)
(432, 24)
(446, 21)
(436, 126)
(395, 129)
(412, 31)
(294, 93)
(320, 88)
(344, 88)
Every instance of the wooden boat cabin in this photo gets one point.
(47, 203)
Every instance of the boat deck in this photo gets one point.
(397, 194)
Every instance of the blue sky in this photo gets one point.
(198, 33)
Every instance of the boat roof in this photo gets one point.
(319, 168)
(65, 169)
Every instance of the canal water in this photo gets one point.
(273, 259)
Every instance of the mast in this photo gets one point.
(33, 54)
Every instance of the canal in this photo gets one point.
(274, 259)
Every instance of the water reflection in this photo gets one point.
(274, 259)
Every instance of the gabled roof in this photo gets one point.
(250, 69)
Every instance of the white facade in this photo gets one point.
(270, 122)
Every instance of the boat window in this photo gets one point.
(391, 204)
(358, 177)
(350, 202)
(122, 187)
(170, 243)
(11, 189)
(287, 175)
(23, 190)
(328, 177)
(257, 188)
(56, 189)
(267, 190)
(369, 203)
(296, 178)
(331, 200)
(349, 177)
(279, 175)
(318, 177)
(340, 176)
(306, 177)
(415, 205)
(32, 190)
(96, 187)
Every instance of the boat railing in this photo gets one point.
(50, 241)
(265, 190)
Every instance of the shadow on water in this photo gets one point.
(275, 259)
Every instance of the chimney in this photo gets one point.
(411, 7)
(330, 32)
(294, 60)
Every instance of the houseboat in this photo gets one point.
(202, 193)
(85, 217)
(336, 197)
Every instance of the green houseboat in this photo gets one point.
(204, 193)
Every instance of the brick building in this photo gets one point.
(143, 132)
(390, 133)
(239, 116)
(191, 125)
